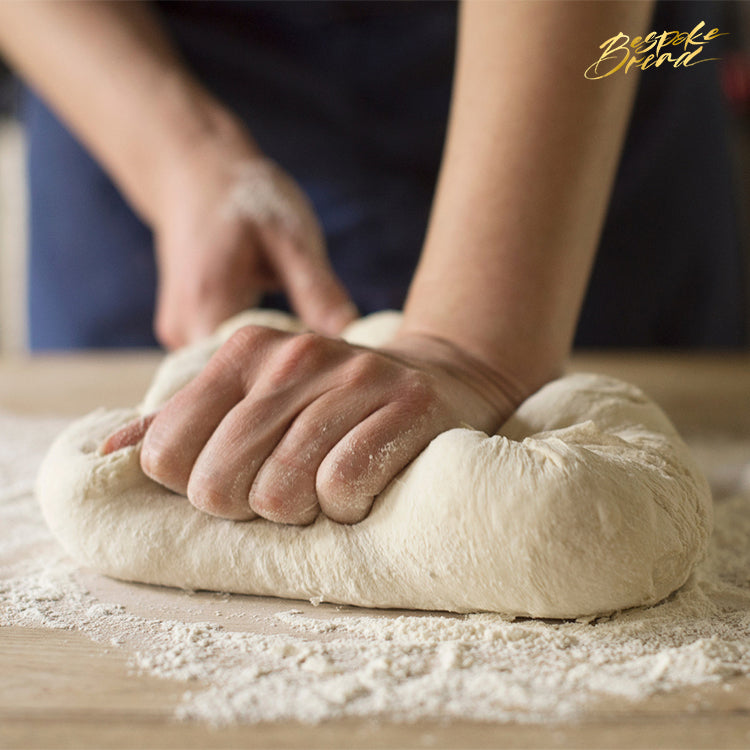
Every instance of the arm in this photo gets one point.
(283, 426)
(529, 163)
(178, 155)
(110, 72)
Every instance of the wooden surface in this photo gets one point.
(61, 691)
(699, 392)
(58, 689)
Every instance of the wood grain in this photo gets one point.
(60, 690)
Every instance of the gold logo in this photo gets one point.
(622, 53)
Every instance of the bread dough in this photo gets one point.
(585, 502)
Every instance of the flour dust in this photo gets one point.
(252, 659)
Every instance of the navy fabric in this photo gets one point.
(92, 275)
(352, 99)
(670, 267)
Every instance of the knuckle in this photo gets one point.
(416, 393)
(341, 498)
(161, 462)
(363, 369)
(213, 498)
(268, 505)
(239, 349)
(246, 339)
(286, 467)
(339, 478)
(352, 512)
(302, 348)
(277, 507)
(298, 355)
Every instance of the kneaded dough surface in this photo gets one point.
(586, 502)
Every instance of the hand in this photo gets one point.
(285, 426)
(233, 226)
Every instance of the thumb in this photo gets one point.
(192, 300)
(315, 293)
(130, 434)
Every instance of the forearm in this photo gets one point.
(111, 73)
(530, 159)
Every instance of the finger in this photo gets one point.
(224, 471)
(203, 281)
(299, 371)
(284, 487)
(130, 434)
(186, 422)
(315, 292)
(183, 317)
(362, 464)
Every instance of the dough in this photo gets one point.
(585, 502)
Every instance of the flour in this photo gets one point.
(586, 502)
(248, 659)
(264, 193)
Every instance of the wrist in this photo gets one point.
(191, 138)
(503, 390)
(517, 367)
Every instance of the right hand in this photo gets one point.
(285, 426)
(232, 226)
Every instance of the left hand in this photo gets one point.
(230, 226)
(286, 426)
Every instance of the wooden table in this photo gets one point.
(58, 689)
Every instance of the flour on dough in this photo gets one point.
(586, 502)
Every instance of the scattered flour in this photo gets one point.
(247, 659)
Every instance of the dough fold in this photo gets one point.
(586, 502)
